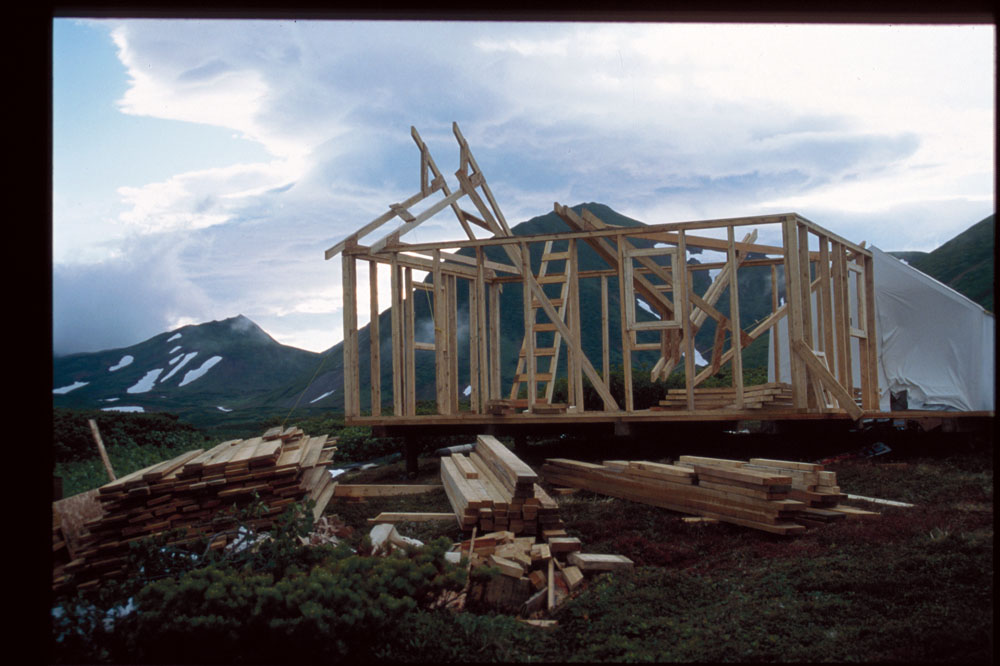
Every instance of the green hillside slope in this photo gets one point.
(965, 263)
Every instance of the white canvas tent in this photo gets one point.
(933, 343)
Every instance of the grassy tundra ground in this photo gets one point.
(912, 585)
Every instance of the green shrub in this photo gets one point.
(356, 444)
(342, 608)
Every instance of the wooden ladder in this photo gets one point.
(551, 352)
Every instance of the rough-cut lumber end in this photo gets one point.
(599, 562)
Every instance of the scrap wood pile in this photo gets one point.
(534, 577)
(495, 494)
(186, 494)
(492, 489)
(778, 496)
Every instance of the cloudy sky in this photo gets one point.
(202, 167)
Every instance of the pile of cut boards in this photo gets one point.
(777, 496)
(183, 497)
(772, 396)
(534, 577)
(492, 489)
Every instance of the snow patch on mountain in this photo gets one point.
(222, 409)
(175, 349)
(125, 360)
(66, 389)
(124, 408)
(200, 371)
(173, 337)
(180, 365)
(146, 383)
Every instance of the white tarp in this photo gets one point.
(933, 342)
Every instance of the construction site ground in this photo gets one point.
(915, 584)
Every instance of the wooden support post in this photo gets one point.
(681, 302)
(775, 336)
(411, 349)
(101, 450)
(623, 296)
(870, 389)
(412, 446)
(350, 346)
(442, 364)
(574, 374)
(826, 301)
(482, 331)
(841, 314)
(473, 302)
(793, 293)
(805, 280)
(734, 320)
(398, 343)
(451, 281)
(529, 328)
(605, 342)
(495, 340)
(520, 443)
(375, 340)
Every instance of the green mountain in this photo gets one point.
(210, 373)
(965, 263)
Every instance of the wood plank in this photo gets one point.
(600, 562)
(840, 394)
(384, 490)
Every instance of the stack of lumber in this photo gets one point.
(180, 497)
(773, 395)
(533, 576)
(492, 489)
(777, 496)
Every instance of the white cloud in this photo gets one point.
(860, 128)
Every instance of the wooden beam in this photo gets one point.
(375, 341)
(735, 330)
(410, 332)
(827, 379)
(793, 293)
(685, 315)
(350, 347)
(384, 490)
(101, 450)
(624, 301)
(396, 310)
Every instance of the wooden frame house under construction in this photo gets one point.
(829, 305)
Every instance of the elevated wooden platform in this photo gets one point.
(821, 284)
